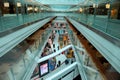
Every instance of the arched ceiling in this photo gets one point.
(67, 5)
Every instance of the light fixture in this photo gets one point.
(95, 5)
(18, 4)
(6, 4)
(29, 8)
(80, 9)
(107, 5)
(36, 9)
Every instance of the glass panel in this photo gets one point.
(91, 10)
(5, 75)
(9, 8)
(25, 9)
(36, 9)
(101, 11)
(30, 9)
(115, 10)
(35, 72)
(15, 63)
(0, 8)
(19, 7)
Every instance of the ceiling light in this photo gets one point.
(80, 9)
(36, 9)
(95, 5)
(29, 8)
(107, 5)
(18, 4)
(6, 4)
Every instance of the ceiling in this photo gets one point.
(67, 5)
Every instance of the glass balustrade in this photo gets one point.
(101, 18)
(15, 63)
(86, 62)
(10, 22)
(14, 13)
